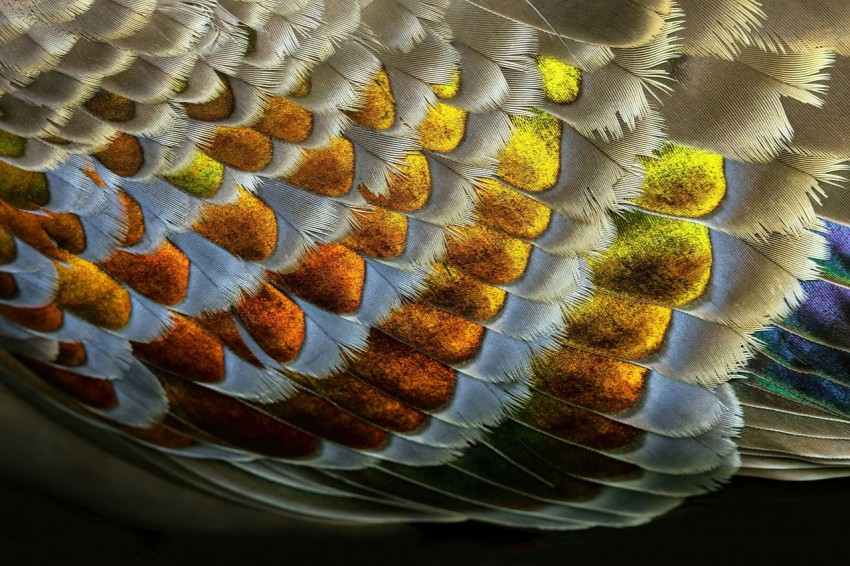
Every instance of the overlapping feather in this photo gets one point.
(427, 259)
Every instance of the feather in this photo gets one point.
(420, 260)
(729, 108)
(616, 96)
(785, 27)
(217, 279)
(816, 132)
(606, 23)
(791, 202)
(719, 28)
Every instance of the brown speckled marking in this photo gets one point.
(240, 148)
(367, 402)
(595, 382)
(332, 277)
(508, 210)
(23, 189)
(489, 255)
(285, 121)
(8, 285)
(162, 275)
(328, 171)
(618, 327)
(123, 156)
(577, 425)
(378, 104)
(67, 231)
(408, 189)
(381, 234)
(222, 325)
(235, 422)
(523, 444)
(404, 373)
(135, 220)
(90, 293)
(317, 416)
(452, 290)
(96, 393)
(219, 108)
(48, 318)
(275, 323)
(111, 107)
(246, 228)
(8, 246)
(447, 337)
(187, 350)
(71, 354)
(157, 434)
(29, 228)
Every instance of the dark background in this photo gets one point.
(750, 520)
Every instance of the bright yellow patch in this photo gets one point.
(443, 128)
(378, 109)
(618, 327)
(201, 177)
(88, 292)
(561, 81)
(409, 188)
(532, 159)
(656, 259)
(683, 182)
(450, 89)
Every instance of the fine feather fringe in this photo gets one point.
(765, 84)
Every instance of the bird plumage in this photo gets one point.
(547, 264)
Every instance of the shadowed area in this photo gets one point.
(42, 522)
